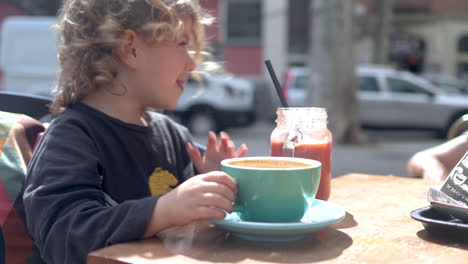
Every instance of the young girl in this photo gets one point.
(107, 170)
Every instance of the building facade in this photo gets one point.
(441, 28)
(426, 35)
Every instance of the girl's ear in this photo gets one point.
(126, 49)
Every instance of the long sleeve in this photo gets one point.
(66, 212)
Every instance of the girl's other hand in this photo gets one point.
(215, 152)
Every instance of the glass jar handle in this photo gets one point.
(294, 137)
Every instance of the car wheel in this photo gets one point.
(200, 123)
(458, 127)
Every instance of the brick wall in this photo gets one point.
(446, 7)
(412, 6)
(213, 8)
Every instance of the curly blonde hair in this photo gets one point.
(89, 31)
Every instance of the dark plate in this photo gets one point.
(441, 224)
(457, 211)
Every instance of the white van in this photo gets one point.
(28, 54)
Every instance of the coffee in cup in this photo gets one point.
(273, 189)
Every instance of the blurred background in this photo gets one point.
(392, 73)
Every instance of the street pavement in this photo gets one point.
(387, 155)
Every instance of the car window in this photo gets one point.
(402, 86)
(301, 82)
(368, 84)
(192, 81)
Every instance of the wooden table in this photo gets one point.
(377, 229)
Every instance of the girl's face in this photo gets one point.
(161, 71)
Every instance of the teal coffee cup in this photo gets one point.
(273, 189)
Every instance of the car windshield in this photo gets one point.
(449, 87)
(403, 86)
(447, 84)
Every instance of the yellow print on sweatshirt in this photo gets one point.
(160, 181)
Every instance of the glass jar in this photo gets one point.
(302, 132)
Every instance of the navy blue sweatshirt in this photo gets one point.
(85, 162)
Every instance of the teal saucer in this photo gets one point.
(320, 215)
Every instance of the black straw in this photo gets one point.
(276, 83)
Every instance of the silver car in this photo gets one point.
(391, 98)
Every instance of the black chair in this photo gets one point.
(34, 106)
(2, 247)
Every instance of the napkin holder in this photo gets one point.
(452, 197)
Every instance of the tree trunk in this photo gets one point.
(332, 61)
(384, 27)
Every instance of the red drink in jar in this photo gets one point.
(303, 132)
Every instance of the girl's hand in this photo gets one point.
(200, 197)
(215, 152)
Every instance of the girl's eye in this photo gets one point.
(183, 43)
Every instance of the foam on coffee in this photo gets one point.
(269, 164)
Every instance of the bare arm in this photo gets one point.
(435, 163)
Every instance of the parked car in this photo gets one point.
(390, 98)
(218, 102)
(223, 101)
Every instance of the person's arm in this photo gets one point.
(436, 163)
(66, 211)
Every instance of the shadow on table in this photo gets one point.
(324, 245)
(218, 246)
(347, 222)
(446, 239)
